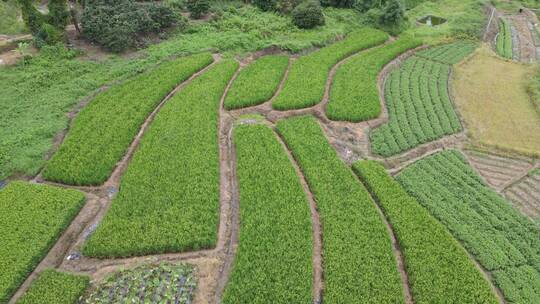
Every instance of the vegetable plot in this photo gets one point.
(169, 195)
(274, 259)
(104, 129)
(498, 236)
(439, 269)
(257, 82)
(305, 84)
(53, 287)
(32, 218)
(419, 107)
(359, 266)
(354, 95)
(450, 53)
(504, 40)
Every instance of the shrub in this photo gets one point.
(339, 3)
(47, 35)
(117, 24)
(308, 15)
(198, 8)
(58, 13)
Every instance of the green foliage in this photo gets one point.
(450, 53)
(257, 82)
(436, 263)
(359, 266)
(198, 8)
(416, 95)
(33, 113)
(308, 14)
(117, 25)
(354, 95)
(169, 194)
(339, 3)
(48, 35)
(393, 13)
(58, 13)
(307, 77)
(500, 238)
(274, 259)
(163, 283)
(53, 287)
(282, 6)
(9, 18)
(103, 131)
(504, 40)
(32, 218)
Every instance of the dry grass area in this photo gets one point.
(491, 95)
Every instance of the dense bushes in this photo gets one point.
(117, 24)
(47, 29)
(282, 6)
(198, 8)
(308, 15)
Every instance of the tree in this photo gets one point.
(393, 13)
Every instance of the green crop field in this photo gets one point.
(257, 82)
(358, 263)
(32, 218)
(53, 287)
(304, 86)
(103, 131)
(497, 235)
(169, 195)
(504, 40)
(437, 265)
(356, 152)
(274, 256)
(354, 95)
(418, 102)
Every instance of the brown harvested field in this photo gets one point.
(491, 95)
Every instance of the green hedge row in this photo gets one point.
(504, 40)
(104, 129)
(450, 53)
(497, 235)
(355, 94)
(439, 269)
(169, 195)
(305, 83)
(257, 82)
(32, 218)
(419, 107)
(359, 266)
(274, 259)
(53, 287)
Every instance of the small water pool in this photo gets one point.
(431, 20)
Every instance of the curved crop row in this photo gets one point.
(354, 95)
(53, 287)
(169, 195)
(498, 236)
(274, 259)
(305, 83)
(450, 53)
(257, 82)
(419, 107)
(104, 129)
(439, 269)
(359, 266)
(32, 218)
(504, 40)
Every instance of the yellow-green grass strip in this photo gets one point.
(169, 196)
(257, 82)
(501, 239)
(354, 95)
(274, 258)
(54, 287)
(358, 263)
(305, 83)
(439, 269)
(32, 218)
(103, 130)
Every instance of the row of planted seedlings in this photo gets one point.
(418, 102)
(499, 237)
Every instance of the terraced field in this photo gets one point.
(213, 180)
(419, 106)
